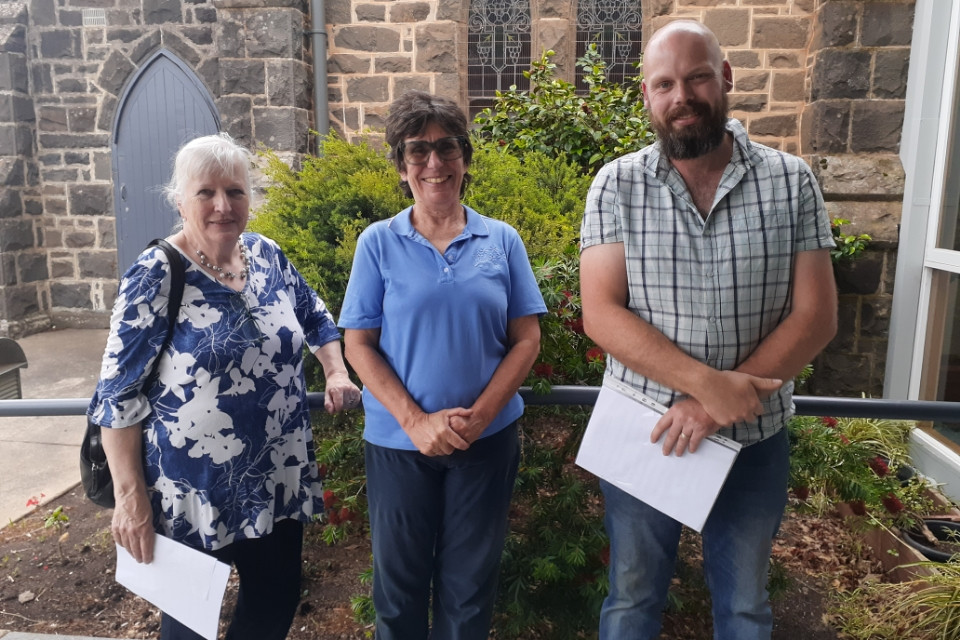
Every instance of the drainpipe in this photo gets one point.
(318, 40)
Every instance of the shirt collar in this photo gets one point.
(476, 224)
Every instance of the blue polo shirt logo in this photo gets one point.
(490, 257)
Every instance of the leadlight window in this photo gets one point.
(498, 49)
(615, 27)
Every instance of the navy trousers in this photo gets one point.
(269, 570)
(439, 520)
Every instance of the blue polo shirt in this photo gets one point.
(442, 318)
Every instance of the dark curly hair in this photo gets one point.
(411, 114)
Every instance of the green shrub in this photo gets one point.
(541, 197)
(554, 573)
(316, 213)
(567, 355)
(859, 461)
(551, 118)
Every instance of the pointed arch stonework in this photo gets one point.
(163, 106)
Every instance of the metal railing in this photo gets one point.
(572, 395)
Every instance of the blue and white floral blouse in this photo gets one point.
(227, 443)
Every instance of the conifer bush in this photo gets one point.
(315, 213)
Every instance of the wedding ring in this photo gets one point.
(684, 436)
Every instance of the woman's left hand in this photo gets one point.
(340, 393)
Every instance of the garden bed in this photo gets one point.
(76, 595)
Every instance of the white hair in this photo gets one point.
(214, 155)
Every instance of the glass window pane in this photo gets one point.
(615, 27)
(498, 46)
(948, 236)
(941, 369)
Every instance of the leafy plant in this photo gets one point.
(857, 461)
(362, 604)
(554, 574)
(59, 521)
(552, 118)
(927, 608)
(340, 457)
(567, 355)
(848, 246)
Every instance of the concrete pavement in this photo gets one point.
(39, 456)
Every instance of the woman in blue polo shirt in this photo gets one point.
(441, 319)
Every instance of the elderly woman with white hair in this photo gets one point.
(215, 450)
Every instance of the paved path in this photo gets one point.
(39, 456)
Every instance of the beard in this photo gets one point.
(697, 139)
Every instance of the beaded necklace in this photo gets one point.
(229, 275)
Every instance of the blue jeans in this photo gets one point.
(443, 520)
(737, 539)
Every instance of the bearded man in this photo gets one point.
(706, 277)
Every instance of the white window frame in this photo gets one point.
(930, 127)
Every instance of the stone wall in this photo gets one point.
(852, 121)
(23, 262)
(379, 49)
(61, 77)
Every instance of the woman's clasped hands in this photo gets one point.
(443, 432)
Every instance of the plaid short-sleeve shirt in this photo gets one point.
(714, 287)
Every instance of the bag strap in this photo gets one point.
(177, 277)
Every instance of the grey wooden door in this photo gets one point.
(163, 106)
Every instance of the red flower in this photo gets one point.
(322, 471)
(333, 517)
(574, 324)
(605, 556)
(858, 507)
(595, 354)
(879, 466)
(844, 439)
(543, 370)
(802, 493)
(329, 499)
(830, 422)
(892, 503)
(346, 515)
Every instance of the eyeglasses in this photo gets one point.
(418, 151)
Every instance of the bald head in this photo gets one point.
(663, 41)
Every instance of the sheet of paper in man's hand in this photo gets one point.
(184, 583)
(616, 447)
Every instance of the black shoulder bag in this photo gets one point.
(94, 471)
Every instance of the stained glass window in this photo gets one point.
(498, 45)
(615, 27)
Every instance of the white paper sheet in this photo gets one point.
(183, 582)
(616, 447)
